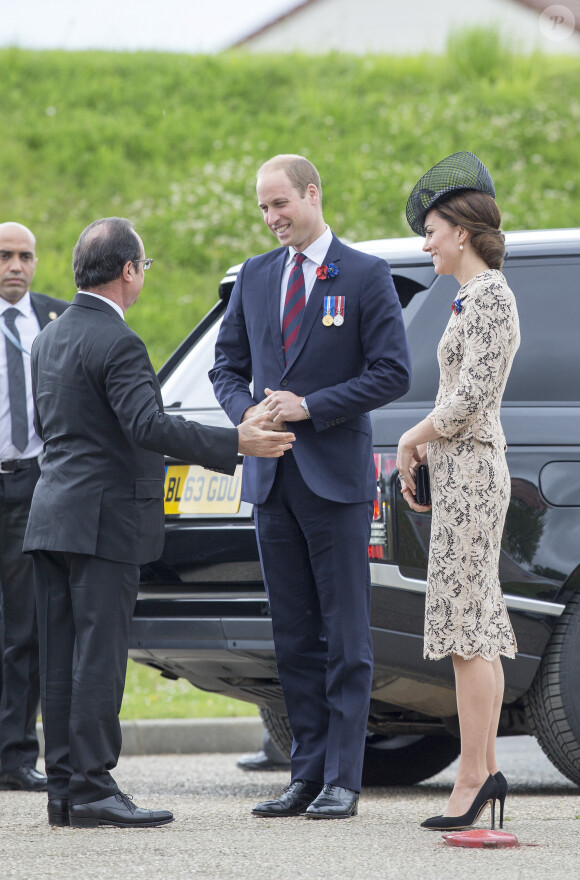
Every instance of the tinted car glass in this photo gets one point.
(541, 369)
(425, 319)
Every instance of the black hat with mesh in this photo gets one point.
(459, 171)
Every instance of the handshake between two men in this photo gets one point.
(263, 428)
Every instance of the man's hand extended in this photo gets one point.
(256, 437)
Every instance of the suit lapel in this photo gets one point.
(274, 288)
(41, 310)
(317, 294)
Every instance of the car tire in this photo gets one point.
(389, 760)
(279, 729)
(406, 759)
(553, 701)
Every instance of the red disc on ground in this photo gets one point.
(481, 838)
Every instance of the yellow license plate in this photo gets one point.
(192, 489)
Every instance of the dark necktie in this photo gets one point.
(16, 384)
(293, 305)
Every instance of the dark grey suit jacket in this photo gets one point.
(99, 411)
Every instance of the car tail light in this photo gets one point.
(382, 544)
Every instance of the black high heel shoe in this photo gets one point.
(487, 794)
(502, 790)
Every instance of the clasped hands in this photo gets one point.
(268, 419)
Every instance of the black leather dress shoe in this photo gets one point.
(23, 779)
(118, 811)
(58, 812)
(333, 802)
(261, 761)
(292, 802)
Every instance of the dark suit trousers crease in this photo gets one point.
(314, 555)
(85, 605)
(20, 685)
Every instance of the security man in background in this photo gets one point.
(22, 316)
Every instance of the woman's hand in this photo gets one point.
(409, 455)
(410, 499)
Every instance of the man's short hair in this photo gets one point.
(299, 171)
(102, 250)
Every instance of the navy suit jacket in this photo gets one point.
(99, 411)
(344, 372)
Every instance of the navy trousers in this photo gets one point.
(85, 605)
(314, 555)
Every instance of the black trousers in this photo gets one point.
(85, 605)
(20, 685)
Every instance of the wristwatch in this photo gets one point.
(304, 406)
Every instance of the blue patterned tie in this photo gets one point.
(293, 305)
(16, 384)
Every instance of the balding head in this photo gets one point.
(11, 227)
(17, 260)
(102, 250)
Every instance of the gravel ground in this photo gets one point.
(215, 837)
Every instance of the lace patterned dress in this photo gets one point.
(465, 612)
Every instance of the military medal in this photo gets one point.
(328, 318)
(339, 309)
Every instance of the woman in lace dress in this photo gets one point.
(463, 442)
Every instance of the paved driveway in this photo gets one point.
(215, 838)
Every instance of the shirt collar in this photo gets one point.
(23, 305)
(105, 299)
(315, 251)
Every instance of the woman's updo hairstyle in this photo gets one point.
(479, 214)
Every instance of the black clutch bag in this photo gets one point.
(422, 485)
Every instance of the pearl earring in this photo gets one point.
(460, 247)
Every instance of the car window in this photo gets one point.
(549, 309)
(188, 386)
(545, 368)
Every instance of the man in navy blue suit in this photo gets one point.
(317, 327)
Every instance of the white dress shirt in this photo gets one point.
(105, 299)
(315, 254)
(28, 329)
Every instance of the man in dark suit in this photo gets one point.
(318, 328)
(97, 514)
(22, 315)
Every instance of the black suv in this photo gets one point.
(202, 612)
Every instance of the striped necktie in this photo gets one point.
(293, 305)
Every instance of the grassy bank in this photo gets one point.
(148, 695)
(173, 142)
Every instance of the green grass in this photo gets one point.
(148, 695)
(173, 142)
